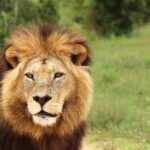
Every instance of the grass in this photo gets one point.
(121, 107)
(106, 142)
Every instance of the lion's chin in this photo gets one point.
(44, 121)
(45, 116)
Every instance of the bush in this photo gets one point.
(16, 12)
(147, 11)
(118, 16)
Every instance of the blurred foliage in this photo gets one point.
(119, 16)
(18, 12)
(105, 17)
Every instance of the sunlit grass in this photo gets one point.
(121, 73)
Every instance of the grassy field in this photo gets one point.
(120, 115)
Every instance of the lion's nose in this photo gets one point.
(42, 99)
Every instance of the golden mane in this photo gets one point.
(43, 41)
(47, 40)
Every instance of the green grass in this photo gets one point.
(108, 142)
(121, 73)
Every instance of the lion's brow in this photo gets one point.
(44, 61)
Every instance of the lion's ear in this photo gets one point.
(79, 54)
(11, 56)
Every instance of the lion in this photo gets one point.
(45, 89)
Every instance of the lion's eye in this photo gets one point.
(58, 75)
(29, 75)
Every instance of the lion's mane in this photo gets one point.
(26, 44)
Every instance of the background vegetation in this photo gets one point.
(119, 34)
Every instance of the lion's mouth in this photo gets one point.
(44, 114)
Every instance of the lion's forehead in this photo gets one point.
(45, 65)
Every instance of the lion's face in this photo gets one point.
(47, 85)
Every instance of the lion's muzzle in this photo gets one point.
(42, 99)
(44, 110)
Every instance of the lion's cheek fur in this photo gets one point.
(13, 102)
(76, 111)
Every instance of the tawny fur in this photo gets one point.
(17, 130)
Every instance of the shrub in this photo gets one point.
(16, 12)
(118, 16)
